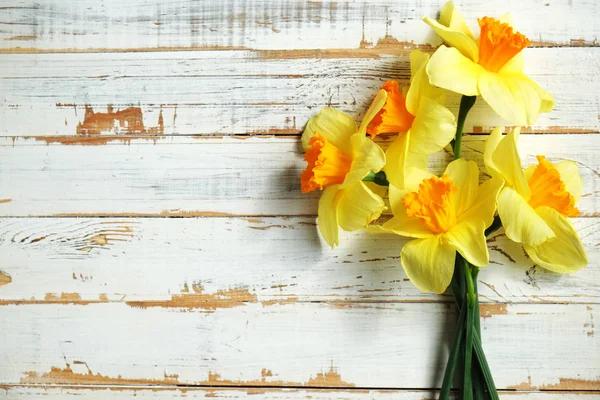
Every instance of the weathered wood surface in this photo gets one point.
(175, 176)
(243, 92)
(297, 344)
(72, 25)
(216, 262)
(108, 113)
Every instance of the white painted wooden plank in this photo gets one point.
(300, 344)
(210, 263)
(289, 24)
(241, 92)
(194, 176)
(121, 392)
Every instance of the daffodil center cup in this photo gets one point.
(547, 189)
(393, 117)
(432, 204)
(498, 43)
(327, 165)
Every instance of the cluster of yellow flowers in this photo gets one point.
(451, 213)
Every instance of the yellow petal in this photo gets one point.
(562, 254)
(429, 263)
(515, 64)
(413, 177)
(401, 224)
(358, 207)
(374, 108)
(468, 239)
(451, 70)
(367, 156)
(407, 227)
(514, 96)
(396, 194)
(547, 99)
(328, 215)
(483, 206)
(418, 60)
(377, 230)
(396, 158)
(507, 162)
(335, 126)
(453, 19)
(433, 128)
(466, 45)
(400, 162)
(416, 160)
(465, 175)
(521, 223)
(569, 174)
(507, 19)
(419, 83)
(529, 171)
(380, 191)
(490, 146)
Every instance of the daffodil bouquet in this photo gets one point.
(448, 218)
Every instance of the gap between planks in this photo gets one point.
(184, 386)
(102, 139)
(488, 308)
(243, 392)
(397, 48)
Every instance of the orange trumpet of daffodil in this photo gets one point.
(535, 203)
(490, 66)
(339, 157)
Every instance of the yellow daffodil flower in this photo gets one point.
(534, 204)
(444, 215)
(424, 126)
(340, 156)
(491, 66)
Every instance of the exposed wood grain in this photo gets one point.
(162, 392)
(175, 176)
(188, 263)
(5, 279)
(240, 92)
(358, 345)
(73, 25)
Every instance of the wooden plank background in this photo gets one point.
(156, 239)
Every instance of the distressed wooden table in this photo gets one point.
(156, 239)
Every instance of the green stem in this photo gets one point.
(378, 178)
(466, 102)
(475, 274)
(485, 369)
(460, 264)
(457, 349)
(467, 382)
(480, 355)
(453, 356)
(455, 284)
(470, 328)
(478, 381)
(471, 297)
